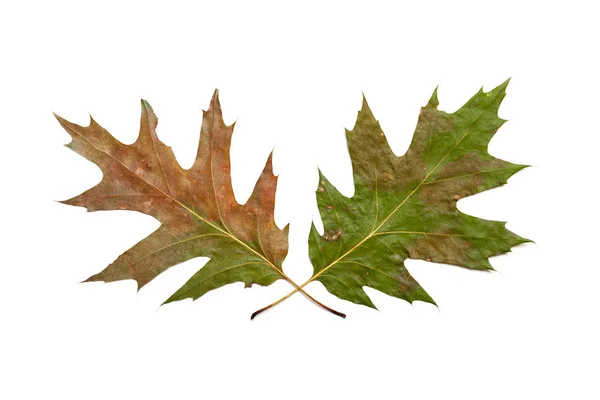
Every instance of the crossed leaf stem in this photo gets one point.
(297, 289)
(300, 288)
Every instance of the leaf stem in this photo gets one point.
(298, 289)
(257, 312)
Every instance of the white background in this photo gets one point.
(291, 76)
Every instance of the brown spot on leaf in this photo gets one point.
(333, 237)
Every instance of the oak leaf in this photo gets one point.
(196, 207)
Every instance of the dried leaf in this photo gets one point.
(196, 207)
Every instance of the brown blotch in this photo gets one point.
(333, 237)
(458, 179)
(467, 164)
(431, 122)
(434, 248)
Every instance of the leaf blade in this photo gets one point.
(197, 209)
(411, 200)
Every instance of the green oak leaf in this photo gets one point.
(405, 207)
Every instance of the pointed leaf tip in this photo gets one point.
(433, 100)
(146, 105)
(60, 119)
(215, 98)
(365, 105)
(364, 113)
(501, 87)
(269, 163)
(215, 103)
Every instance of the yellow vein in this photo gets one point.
(152, 137)
(376, 203)
(435, 234)
(314, 232)
(337, 217)
(216, 273)
(460, 248)
(264, 276)
(258, 235)
(343, 283)
(122, 195)
(212, 176)
(161, 249)
(467, 175)
(366, 266)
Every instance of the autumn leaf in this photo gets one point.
(196, 207)
(405, 207)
